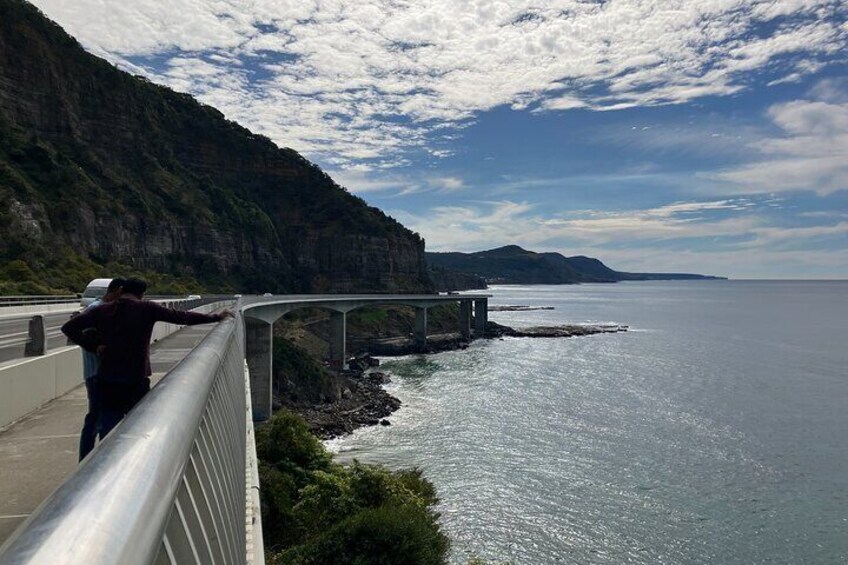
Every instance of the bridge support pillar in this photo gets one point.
(338, 339)
(481, 316)
(465, 318)
(259, 351)
(421, 327)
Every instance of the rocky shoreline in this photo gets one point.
(518, 308)
(364, 401)
(554, 331)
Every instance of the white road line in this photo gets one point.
(65, 436)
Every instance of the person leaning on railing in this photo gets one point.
(90, 369)
(122, 341)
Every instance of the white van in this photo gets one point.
(95, 289)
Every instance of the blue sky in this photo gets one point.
(656, 135)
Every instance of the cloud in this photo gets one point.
(833, 90)
(732, 262)
(469, 228)
(722, 237)
(777, 235)
(372, 81)
(732, 224)
(812, 153)
(358, 179)
(449, 184)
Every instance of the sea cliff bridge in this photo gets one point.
(176, 481)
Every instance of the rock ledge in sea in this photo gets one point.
(569, 330)
(366, 403)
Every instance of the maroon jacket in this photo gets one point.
(124, 327)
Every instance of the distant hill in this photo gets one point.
(514, 265)
(104, 173)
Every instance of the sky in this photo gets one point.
(706, 136)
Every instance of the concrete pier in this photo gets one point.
(465, 319)
(421, 327)
(338, 340)
(481, 316)
(259, 351)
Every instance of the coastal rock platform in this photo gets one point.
(569, 330)
(365, 403)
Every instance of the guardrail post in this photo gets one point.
(481, 316)
(421, 327)
(465, 318)
(259, 352)
(37, 343)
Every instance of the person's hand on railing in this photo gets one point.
(224, 314)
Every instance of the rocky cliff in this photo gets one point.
(101, 170)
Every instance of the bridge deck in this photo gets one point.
(38, 452)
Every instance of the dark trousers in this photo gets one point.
(91, 424)
(116, 400)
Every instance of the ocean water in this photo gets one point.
(714, 431)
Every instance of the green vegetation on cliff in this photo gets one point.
(299, 378)
(100, 168)
(315, 511)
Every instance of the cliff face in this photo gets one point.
(98, 167)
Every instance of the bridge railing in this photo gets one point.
(168, 485)
(37, 299)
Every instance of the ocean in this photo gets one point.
(714, 431)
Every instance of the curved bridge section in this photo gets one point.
(261, 313)
(176, 481)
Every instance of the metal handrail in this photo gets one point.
(167, 485)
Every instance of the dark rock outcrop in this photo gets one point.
(571, 330)
(367, 404)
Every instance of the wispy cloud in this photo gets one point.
(741, 241)
(738, 223)
(732, 262)
(770, 236)
(812, 153)
(370, 81)
(360, 179)
(506, 222)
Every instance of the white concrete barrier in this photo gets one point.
(27, 384)
(58, 307)
(18, 311)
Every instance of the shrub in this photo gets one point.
(278, 495)
(316, 511)
(386, 535)
(285, 442)
(325, 501)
